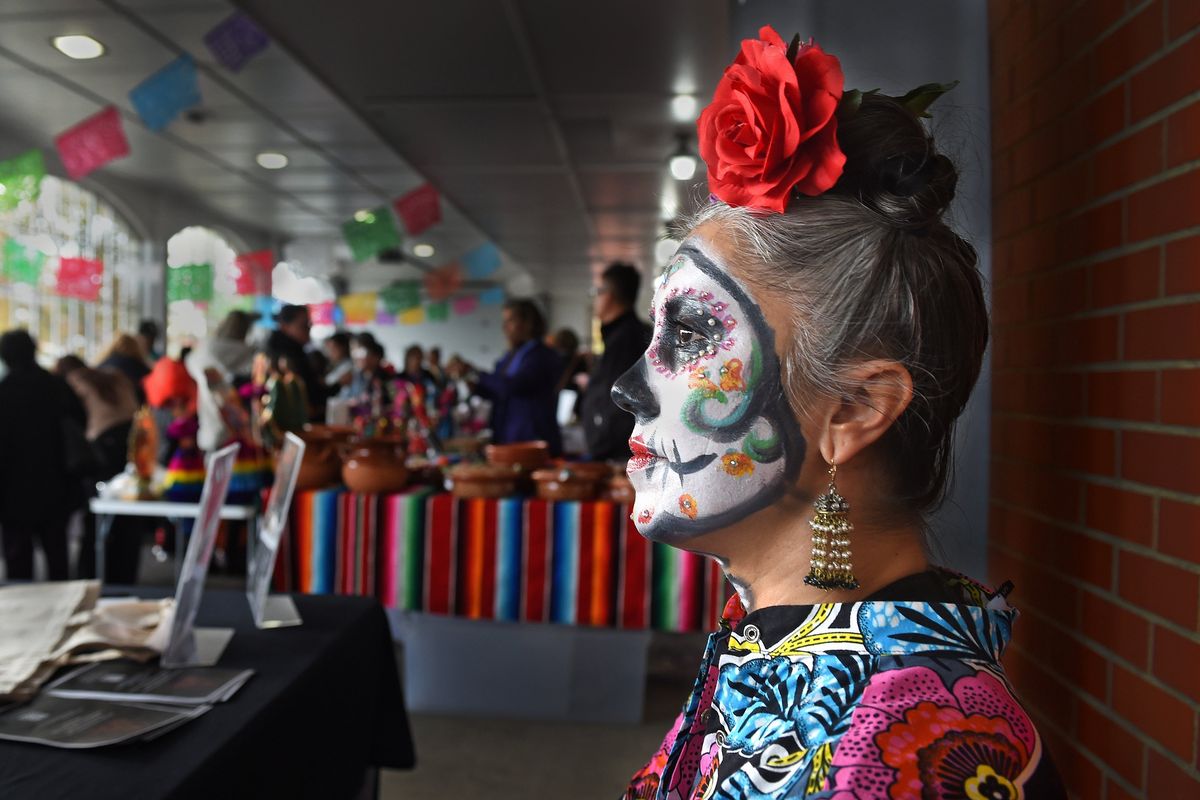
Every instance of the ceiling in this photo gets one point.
(546, 125)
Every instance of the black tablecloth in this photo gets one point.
(323, 706)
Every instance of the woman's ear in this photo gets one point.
(883, 390)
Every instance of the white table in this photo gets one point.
(106, 509)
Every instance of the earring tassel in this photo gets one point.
(831, 567)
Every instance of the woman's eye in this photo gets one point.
(685, 335)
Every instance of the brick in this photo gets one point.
(1163, 333)
(1062, 91)
(1013, 212)
(1118, 629)
(1120, 512)
(1013, 35)
(1183, 133)
(1182, 17)
(1087, 21)
(1041, 59)
(1129, 160)
(1183, 266)
(1079, 772)
(1036, 588)
(1136, 40)
(1010, 302)
(1058, 294)
(1096, 121)
(1034, 250)
(1084, 449)
(1064, 189)
(1170, 78)
(1165, 207)
(1161, 715)
(1115, 791)
(1036, 688)
(1160, 588)
(1164, 779)
(1039, 490)
(1070, 659)
(1130, 278)
(1012, 124)
(1122, 395)
(1175, 660)
(1179, 532)
(1087, 341)
(1058, 394)
(1079, 556)
(1158, 459)
(1115, 746)
(1035, 155)
(1181, 397)
(1091, 232)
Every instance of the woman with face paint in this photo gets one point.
(815, 338)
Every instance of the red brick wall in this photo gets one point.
(1095, 495)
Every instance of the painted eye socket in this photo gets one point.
(685, 336)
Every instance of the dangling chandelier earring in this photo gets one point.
(831, 567)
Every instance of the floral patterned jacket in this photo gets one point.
(888, 697)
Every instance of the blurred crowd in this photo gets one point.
(68, 427)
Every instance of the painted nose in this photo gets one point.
(632, 392)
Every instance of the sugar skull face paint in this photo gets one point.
(715, 439)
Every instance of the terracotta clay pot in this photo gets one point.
(561, 483)
(484, 480)
(321, 466)
(374, 466)
(619, 489)
(527, 455)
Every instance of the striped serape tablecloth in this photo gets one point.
(515, 559)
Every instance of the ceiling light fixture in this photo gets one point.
(78, 46)
(683, 163)
(683, 107)
(364, 215)
(271, 160)
(423, 250)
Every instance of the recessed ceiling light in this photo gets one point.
(78, 46)
(423, 250)
(683, 106)
(683, 163)
(271, 160)
(683, 166)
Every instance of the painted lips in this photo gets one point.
(643, 456)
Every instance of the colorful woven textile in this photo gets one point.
(513, 559)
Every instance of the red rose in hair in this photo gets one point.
(771, 126)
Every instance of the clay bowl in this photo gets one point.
(375, 466)
(561, 483)
(321, 466)
(483, 480)
(463, 446)
(587, 470)
(619, 489)
(526, 455)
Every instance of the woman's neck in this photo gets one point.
(766, 559)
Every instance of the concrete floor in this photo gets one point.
(519, 760)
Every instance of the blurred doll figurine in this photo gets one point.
(286, 407)
(185, 469)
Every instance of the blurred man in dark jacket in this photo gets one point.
(37, 493)
(606, 427)
(292, 334)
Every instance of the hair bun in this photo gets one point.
(893, 167)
